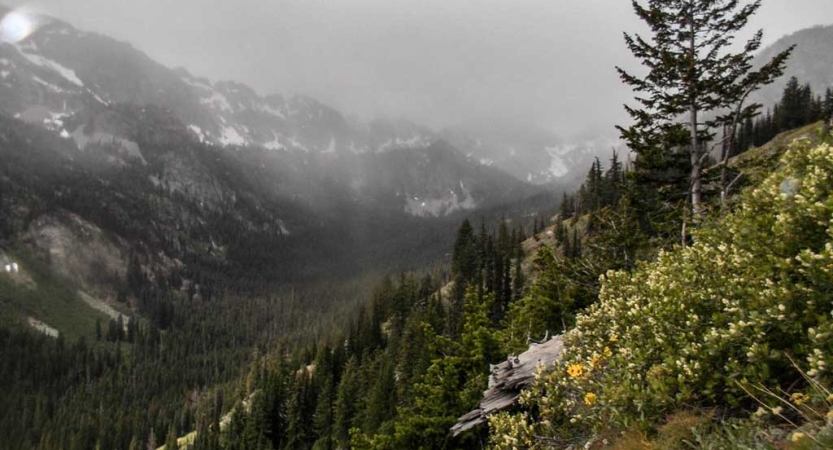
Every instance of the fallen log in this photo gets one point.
(508, 379)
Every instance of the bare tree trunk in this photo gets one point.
(726, 150)
(696, 168)
(696, 162)
(724, 163)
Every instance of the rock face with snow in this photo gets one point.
(77, 85)
(240, 116)
(58, 71)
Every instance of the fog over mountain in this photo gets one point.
(544, 63)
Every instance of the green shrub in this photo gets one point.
(698, 325)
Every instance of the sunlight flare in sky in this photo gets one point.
(16, 26)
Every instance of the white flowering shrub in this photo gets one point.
(701, 323)
(512, 432)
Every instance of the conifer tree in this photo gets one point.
(614, 178)
(566, 210)
(171, 442)
(258, 426)
(792, 105)
(559, 232)
(151, 441)
(323, 416)
(518, 278)
(299, 426)
(463, 262)
(348, 396)
(380, 403)
(691, 71)
(567, 247)
(576, 244)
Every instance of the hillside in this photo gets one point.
(810, 62)
(188, 262)
(99, 139)
(707, 356)
(148, 240)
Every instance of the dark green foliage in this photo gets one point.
(400, 378)
(798, 107)
(170, 440)
(600, 189)
(463, 263)
(301, 407)
(347, 403)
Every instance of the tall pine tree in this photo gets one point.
(691, 71)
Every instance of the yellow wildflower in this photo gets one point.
(614, 338)
(607, 352)
(594, 360)
(590, 398)
(799, 398)
(797, 436)
(575, 370)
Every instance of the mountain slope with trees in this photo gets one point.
(269, 301)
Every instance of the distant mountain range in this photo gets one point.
(140, 151)
(108, 159)
(60, 71)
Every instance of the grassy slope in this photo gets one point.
(48, 299)
(758, 162)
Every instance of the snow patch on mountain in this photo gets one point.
(415, 141)
(197, 83)
(126, 146)
(49, 85)
(282, 226)
(231, 137)
(297, 144)
(217, 101)
(274, 144)
(198, 131)
(98, 98)
(42, 327)
(56, 120)
(269, 109)
(39, 60)
(557, 166)
(331, 148)
(353, 149)
(440, 206)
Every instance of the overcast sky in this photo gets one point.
(439, 62)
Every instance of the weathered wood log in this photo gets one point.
(508, 379)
